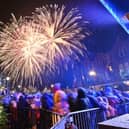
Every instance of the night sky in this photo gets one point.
(102, 25)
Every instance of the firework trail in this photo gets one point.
(21, 52)
(29, 46)
(62, 33)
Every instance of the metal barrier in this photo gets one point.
(84, 119)
(88, 119)
(40, 118)
(60, 124)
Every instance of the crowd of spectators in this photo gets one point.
(31, 111)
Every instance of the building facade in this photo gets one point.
(111, 66)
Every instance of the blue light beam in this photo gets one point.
(117, 14)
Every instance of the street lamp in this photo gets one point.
(19, 86)
(7, 78)
(92, 73)
(7, 84)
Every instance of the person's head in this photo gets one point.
(92, 93)
(81, 92)
(46, 101)
(60, 96)
(71, 98)
(56, 87)
(21, 99)
(108, 89)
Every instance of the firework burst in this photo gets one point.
(62, 32)
(21, 52)
(31, 46)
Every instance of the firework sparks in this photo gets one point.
(62, 32)
(28, 47)
(21, 52)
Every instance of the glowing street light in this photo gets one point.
(52, 85)
(19, 86)
(92, 73)
(7, 78)
(110, 68)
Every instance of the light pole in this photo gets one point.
(92, 74)
(7, 84)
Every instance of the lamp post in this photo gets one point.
(92, 74)
(7, 84)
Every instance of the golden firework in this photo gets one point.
(31, 46)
